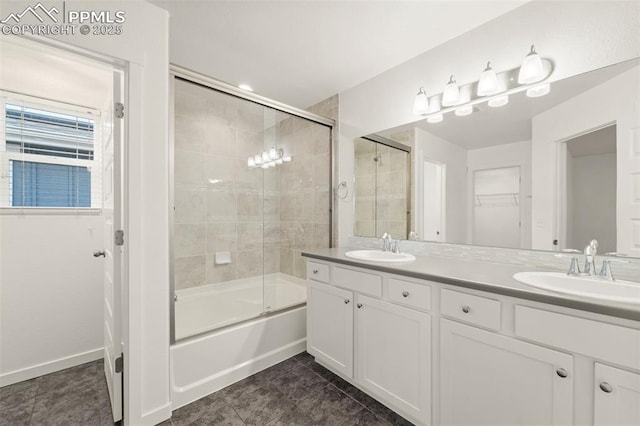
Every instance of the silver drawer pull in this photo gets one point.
(562, 372)
(346, 301)
(466, 309)
(315, 271)
(405, 294)
(359, 305)
(606, 387)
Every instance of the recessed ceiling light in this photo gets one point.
(245, 87)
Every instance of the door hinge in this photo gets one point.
(119, 110)
(119, 363)
(119, 237)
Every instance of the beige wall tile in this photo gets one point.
(250, 116)
(222, 237)
(191, 133)
(222, 108)
(189, 272)
(221, 205)
(189, 169)
(190, 206)
(249, 206)
(221, 273)
(250, 263)
(189, 239)
(220, 171)
(222, 139)
(286, 261)
(250, 236)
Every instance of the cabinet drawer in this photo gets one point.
(410, 294)
(608, 342)
(361, 282)
(317, 271)
(472, 309)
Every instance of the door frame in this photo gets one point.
(420, 205)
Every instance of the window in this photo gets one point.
(48, 156)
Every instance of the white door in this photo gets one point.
(433, 206)
(489, 379)
(393, 356)
(112, 213)
(617, 397)
(330, 326)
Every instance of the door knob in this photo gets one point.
(99, 253)
(405, 294)
(562, 372)
(606, 387)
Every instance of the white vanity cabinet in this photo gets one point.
(490, 379)
(447, 355)
(617, 396)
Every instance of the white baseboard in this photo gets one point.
(153, 417)
(27, 373)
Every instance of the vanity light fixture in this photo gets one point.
(421, 103)
(270, 158)
(465, 110)
(451, 93)
(488, 84)
(436, 118)
(499, 101)
(537, 91)
(531, 70)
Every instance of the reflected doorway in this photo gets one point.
(434, 213)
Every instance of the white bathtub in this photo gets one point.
(212, 360)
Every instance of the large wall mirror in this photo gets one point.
(544, 173)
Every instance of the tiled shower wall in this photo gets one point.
(262, 217)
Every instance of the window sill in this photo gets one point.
(66, 211)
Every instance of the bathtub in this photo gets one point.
(237, 329)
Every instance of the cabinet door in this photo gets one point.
(393, 356)
(330, 326)
(489, 379)
(617, 396)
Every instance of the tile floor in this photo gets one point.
(295, 392)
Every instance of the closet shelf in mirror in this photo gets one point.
(512, 196)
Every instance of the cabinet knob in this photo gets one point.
(346, 301)
(562, 372)
(359, 305)
(606, 387)
(315, 272)
(466, 309)
(405, 294)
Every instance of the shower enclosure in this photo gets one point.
(251, 189)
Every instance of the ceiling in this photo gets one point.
(45, 72)
(301, 52)
(512, 123)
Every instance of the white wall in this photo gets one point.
(50, 293)
(615, 101)
(578, 36)
(508, 155)
(144, 45)
(594, 201)
(430, 147)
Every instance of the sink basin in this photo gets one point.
(380, 256)
(617, 291)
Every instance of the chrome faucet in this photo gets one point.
(605, 272)
(590, 252)
(386, 242)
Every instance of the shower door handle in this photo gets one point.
(99, 253)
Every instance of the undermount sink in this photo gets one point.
(380, 256)
(617, 291)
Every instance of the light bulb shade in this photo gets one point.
(488, 84)
(421, 103)
(499, 101)
(465, 110)
(265, 156)
(537, 91)
(451, 93)
(257, 159)
(531, 68)
(251, 162)
(436, 118)
(273, 154)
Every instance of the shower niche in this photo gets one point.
(251, 189)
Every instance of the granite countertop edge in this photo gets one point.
(503, 284)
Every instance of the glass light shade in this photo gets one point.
(451, 93)
(265, 166)
(286, 159)
(531, 68)
(265, 156)
(279, 160)
(251, 162)
(488, 84)
(537, 91)
(435, 118)
(257, 159)
(273, 154)
(421, 103)
(498, 102)
(465, 110)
